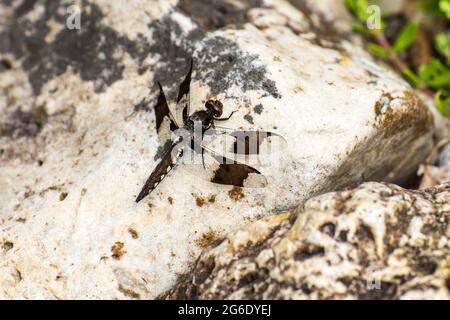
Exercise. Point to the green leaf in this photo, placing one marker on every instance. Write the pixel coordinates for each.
(431, 6)
(443, 44)
(406, 37)
(378, 50)
(360, 28)
(442, 101)
(358, 8)
(365, 14)
(444, 5)
(435, 74)
(412, 77)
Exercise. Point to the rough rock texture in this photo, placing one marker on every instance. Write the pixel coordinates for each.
(77, 133)
(377, 241)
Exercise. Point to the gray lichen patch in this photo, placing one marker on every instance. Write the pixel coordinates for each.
(94, 52)
(219, 62)
(216, 14)
(249, 119)
(90, 51)
(258, 109)
(24, 123)
(25, 130)
(223, 65)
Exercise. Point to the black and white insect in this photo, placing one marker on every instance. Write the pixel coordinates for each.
(223, 167)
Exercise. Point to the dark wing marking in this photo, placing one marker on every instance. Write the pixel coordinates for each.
(247, 142)
(231, 172)
(183, 99)
(216, 168)
(185, 85)
(162, 110)
(162, 169)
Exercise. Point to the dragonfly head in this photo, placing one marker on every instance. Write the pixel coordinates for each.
(214, 107)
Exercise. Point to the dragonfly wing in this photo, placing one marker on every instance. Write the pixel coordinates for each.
(244, 142)
(162, 111)
(216, 168)
(184, 99)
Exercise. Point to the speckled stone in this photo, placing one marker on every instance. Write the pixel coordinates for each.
(377, 241)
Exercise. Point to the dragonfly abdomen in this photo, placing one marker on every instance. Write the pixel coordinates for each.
(159, 173)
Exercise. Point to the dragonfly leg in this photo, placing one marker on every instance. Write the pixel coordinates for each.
(203, 158)
(185, 114)
(225, 119)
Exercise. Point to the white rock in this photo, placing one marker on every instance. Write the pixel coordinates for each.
(74, 153)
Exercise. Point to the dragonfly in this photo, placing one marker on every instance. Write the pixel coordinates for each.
(226, 165)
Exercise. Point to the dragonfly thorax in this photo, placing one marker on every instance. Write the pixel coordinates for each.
(213, 109)
(203, 117)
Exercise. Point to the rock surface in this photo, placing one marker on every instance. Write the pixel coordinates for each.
(377, 241)
(77, 133)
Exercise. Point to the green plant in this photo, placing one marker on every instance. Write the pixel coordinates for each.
(432, 77)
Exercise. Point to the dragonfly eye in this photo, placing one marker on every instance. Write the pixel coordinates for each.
(215, 107)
